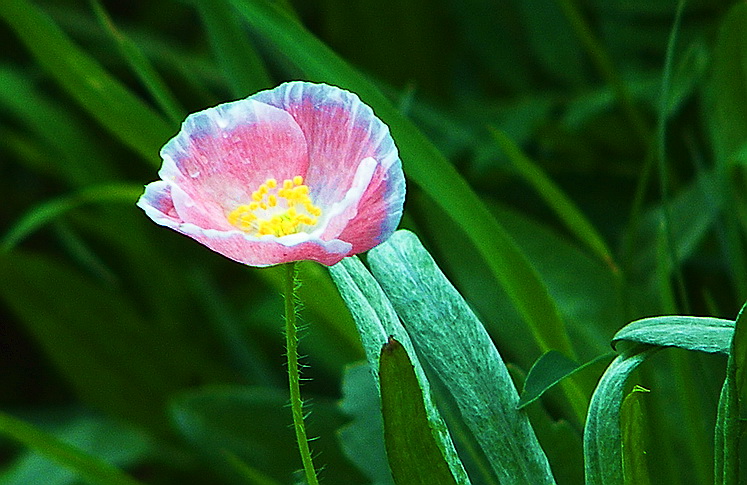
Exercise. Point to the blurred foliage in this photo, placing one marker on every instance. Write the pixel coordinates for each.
(118, 334)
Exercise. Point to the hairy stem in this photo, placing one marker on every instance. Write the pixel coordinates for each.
(294, 378)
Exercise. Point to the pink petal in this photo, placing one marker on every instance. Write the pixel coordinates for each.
(157, 203)
(379, 210)
(340, 132)
(222, 154)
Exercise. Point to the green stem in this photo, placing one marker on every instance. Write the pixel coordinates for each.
(294, 378)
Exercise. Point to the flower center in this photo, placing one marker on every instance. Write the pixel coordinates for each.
(277, 210)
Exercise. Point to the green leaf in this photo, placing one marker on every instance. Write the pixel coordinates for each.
(93, 335)
(105, 98)
(362, 439)
(455, 344)
(75, 156)
(414, 455)
(95, 436)
(551, 368)
(242, 67)
(93, 469)
(377, 321)
(142, 67)
(223, 419)
(602, 434)
(563, 206)
(725, 99)
(425, 166)
(51, 210)
(729, 427)
(704, 334)
(632, 422)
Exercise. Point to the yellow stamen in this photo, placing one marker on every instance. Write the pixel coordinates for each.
(277, 211)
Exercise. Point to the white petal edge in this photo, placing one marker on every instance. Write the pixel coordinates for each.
(361, 180)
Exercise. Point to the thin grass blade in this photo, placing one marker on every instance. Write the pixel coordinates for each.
(556, 199)
(89, 467)
(105, 98)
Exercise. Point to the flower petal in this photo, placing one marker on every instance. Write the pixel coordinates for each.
(379, 210)
(157, 203)
(224, 153)
(340, 132)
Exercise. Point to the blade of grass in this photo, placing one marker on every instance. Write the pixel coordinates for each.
(604, 64)
(425, 165)
(243, 68)
(50, 210)
(91, 468)
(670, 247)
(142, 67)
(105, 98)
(558, 201)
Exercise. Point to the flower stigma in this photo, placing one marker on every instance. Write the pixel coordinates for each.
(277, 209)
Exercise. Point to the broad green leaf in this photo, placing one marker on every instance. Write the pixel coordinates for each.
(729, 426)
(91, 468)
(243, 68)
(95, 436)
(704, 334)
(425, 166)
(377, 321)
(547, 371)
(414, 455)
(563, 206)
(602, 434)
(50, 210)
(142, 67)
(220, 419)
(362, 439)
(633, 425)
(105, 98)
(455, 344)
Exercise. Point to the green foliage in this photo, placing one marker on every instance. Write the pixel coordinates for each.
(414, 454)
(571, 168)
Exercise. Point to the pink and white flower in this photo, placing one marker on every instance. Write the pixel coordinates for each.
(300, 172)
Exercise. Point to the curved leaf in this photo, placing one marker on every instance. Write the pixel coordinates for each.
(377, 321)
(414, 455)
(602, 434)
(704, 334)
(550, 369)
(455, 344)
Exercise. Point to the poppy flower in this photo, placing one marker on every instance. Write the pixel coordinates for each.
(300, 172)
